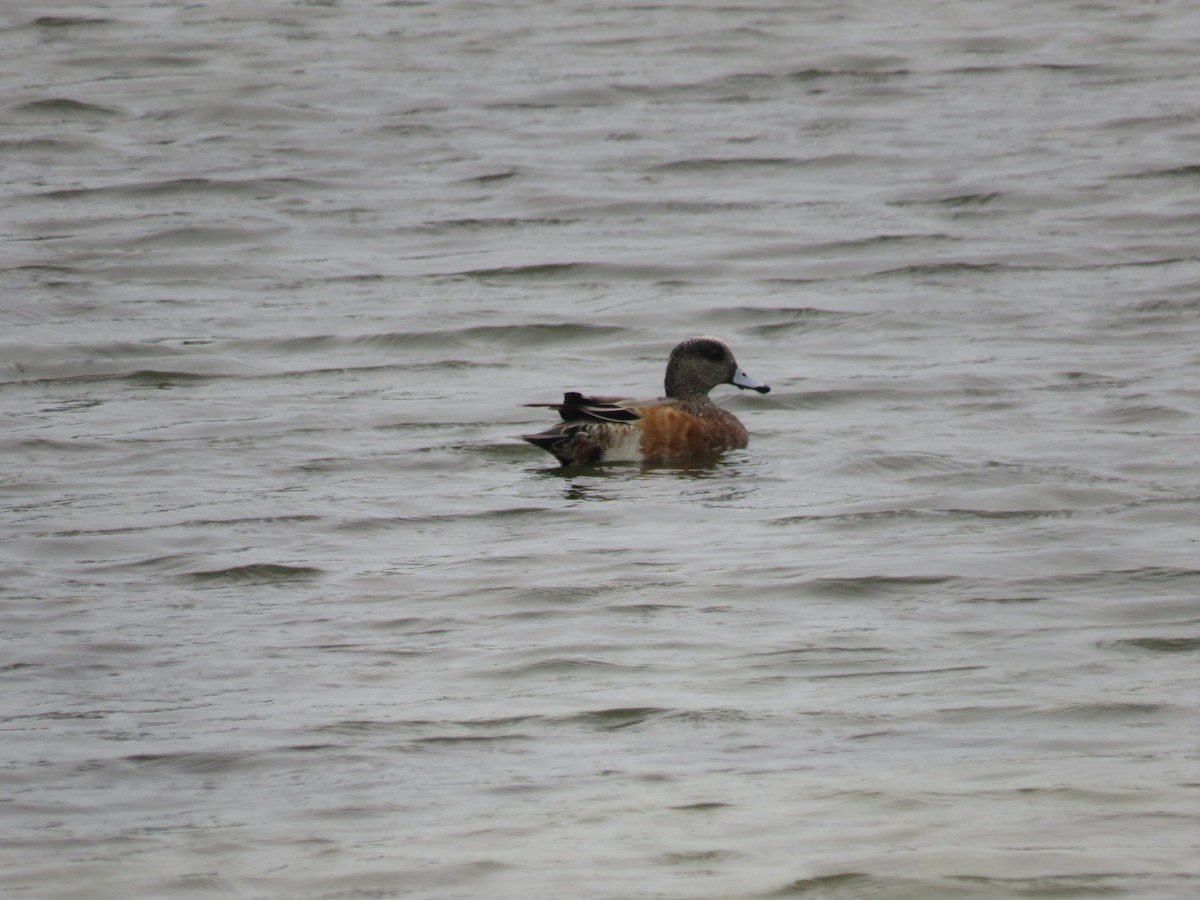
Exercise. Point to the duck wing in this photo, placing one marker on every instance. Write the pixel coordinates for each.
(575, 407)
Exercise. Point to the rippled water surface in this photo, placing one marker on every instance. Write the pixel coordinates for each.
(286, 608)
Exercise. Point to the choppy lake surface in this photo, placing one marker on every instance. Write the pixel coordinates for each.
(286, 610)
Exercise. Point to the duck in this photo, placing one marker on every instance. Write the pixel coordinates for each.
(684, 422)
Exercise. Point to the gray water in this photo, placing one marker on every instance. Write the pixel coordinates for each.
(286, 608)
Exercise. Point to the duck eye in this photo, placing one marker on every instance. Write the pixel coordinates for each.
(713, 352)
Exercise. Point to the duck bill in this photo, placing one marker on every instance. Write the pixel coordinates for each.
(745, 382)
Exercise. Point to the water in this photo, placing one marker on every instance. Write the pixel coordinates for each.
(288, 611)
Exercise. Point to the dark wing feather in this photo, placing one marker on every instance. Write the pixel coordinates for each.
(575, 407)
(579, 408)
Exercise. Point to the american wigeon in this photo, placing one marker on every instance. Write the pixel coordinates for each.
(684, 422)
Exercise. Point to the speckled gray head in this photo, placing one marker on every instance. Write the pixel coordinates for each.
(699, 364)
